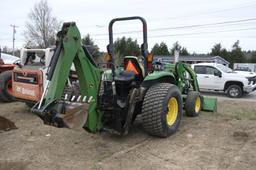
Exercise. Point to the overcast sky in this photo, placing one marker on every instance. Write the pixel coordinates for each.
(93, 16)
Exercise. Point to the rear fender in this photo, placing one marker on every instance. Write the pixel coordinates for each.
(160, 77)
(157, 77)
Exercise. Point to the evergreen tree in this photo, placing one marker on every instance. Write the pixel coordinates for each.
(184, 52)
(126, 46)
(155, 49)
(161, 49)
(217, 50)
(253, 57)
(91, 46)
(237, 56)
(176, 47)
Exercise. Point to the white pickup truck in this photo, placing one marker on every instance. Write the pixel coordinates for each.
(217, 77)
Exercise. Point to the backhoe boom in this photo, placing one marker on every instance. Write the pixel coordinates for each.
(70, 51)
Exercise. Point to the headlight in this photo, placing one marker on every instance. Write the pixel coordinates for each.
(251, 80)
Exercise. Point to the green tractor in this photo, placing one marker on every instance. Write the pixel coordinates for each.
(112, 97)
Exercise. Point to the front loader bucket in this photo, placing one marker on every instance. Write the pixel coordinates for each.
(74, 114)
(209, 104)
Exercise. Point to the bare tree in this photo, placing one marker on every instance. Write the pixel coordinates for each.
(42, 26)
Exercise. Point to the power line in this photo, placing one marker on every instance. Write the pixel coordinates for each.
(209, 32)
(203, 25)
(184, 27)
(196, 33)
(214, 12)
(247, 4)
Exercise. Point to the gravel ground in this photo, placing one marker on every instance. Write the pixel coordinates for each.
(222, 140)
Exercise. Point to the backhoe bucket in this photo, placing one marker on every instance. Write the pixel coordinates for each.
(74, 114)
(210, 104)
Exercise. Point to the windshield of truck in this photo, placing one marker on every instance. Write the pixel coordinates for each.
(224, 68)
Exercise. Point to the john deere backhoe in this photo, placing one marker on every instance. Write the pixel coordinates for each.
(112, 98)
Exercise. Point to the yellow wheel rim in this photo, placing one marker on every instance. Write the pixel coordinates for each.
(197, 104)
(172, 111)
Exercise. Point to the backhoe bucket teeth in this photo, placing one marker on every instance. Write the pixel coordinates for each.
(209, 104)
(75, 114)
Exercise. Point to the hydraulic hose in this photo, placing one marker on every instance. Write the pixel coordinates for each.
(54, 62)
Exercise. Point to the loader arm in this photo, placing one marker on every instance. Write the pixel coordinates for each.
(70, 51)
(181, 70)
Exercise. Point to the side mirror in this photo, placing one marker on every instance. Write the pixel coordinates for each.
(217, 73)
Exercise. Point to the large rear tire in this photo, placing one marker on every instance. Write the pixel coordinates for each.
(162, 110)
(6, 86)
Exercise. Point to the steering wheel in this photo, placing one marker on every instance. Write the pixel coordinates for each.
(158, 65)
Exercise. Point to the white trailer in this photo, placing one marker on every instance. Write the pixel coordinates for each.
(245, 67)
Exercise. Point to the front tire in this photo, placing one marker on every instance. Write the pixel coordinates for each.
(193, 104)
(234, 91)
(162, 110)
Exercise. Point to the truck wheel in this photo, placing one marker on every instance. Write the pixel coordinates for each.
(193, 104)
(234, 91)
(6, 86)
(162, 110)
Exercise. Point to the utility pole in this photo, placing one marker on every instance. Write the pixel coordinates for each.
(13, 36)
(176, 56)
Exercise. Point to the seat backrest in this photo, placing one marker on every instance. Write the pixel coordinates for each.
(132, 64)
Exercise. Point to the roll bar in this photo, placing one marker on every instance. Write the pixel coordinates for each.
(144, 46)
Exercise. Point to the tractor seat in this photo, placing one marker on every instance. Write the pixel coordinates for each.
(131, 64)
(126, 76)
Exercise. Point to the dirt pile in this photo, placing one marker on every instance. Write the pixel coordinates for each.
(6, 124)
(222, 140)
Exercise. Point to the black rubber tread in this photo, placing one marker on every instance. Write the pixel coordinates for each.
(190, 103)
(30, 104)
(5, 96)
(155, 107)
(2, 97)
(239, 89)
